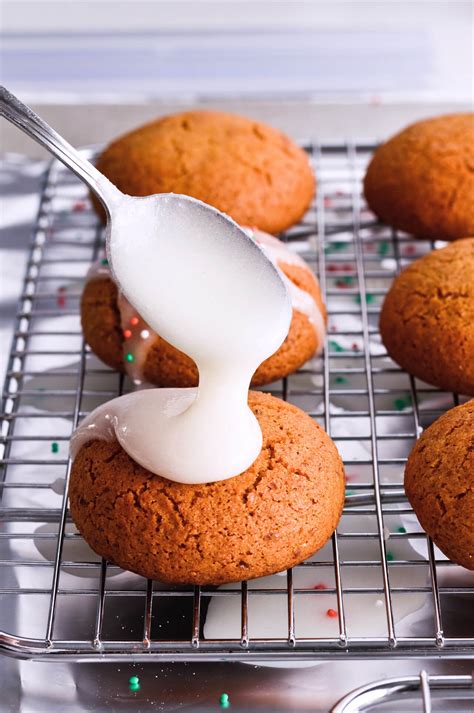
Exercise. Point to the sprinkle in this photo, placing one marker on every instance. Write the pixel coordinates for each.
(61, 298)
(54, 447)
(340, 380)
(383, 248)
(378, 603)
(368, 298)
(409, 250)
(320, 586)
(344, 282)
(327, 202)
(129, 357)
(134, 321)
(402, 402)
(104, 261)
(390, 557)
(336, 347)
(144, 334)
(332, 268)
(127, 333)
(224, 700)
(133, 680)
(331, 613)
(401, 529)
(355, 347)
(134, 687)
(349, 492)
(79, 206)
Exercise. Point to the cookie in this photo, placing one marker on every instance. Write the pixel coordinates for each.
(246, 169)
(421, 181)
(439, 483)
(271, 517)
(114, 330)
(427, 318)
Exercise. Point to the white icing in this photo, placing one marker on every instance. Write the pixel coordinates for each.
(199, 281)
(138, 345)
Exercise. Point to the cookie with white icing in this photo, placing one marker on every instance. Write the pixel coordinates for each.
(277, 513)
(119, 336)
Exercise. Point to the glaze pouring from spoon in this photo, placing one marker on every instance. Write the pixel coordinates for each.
(203, 284)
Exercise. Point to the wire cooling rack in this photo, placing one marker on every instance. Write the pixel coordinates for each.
(379, 588)
(427, 690)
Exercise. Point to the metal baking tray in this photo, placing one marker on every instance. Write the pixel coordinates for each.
(60, 601)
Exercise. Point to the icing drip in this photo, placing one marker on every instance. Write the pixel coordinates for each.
(205, 287)
(141, 336)
(138, 338)
(301, 300)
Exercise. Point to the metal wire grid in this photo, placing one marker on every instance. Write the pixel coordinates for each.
(355, 258)
(398, 689)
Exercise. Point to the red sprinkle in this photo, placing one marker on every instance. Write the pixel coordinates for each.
(79, 206)
(342, 285)
(347, 268)
(331, 613)
(327, 202)
(127, 333)
(320, 586)
(332, 268)
(409, 250)
(134, 321)
(61, 298)
(355, 347)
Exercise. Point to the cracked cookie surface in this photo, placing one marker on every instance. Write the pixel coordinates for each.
(421, 180)
(427, 319)
(274, 515)
(439, 483)
(246, 169)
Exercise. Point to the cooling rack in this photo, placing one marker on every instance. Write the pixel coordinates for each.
(423, 689)
(379, 588)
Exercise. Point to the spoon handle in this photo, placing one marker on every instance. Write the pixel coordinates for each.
(25, 118)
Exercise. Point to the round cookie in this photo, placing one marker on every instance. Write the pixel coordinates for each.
(106, 320)
(271, 517)
(427, 318)
(246, 169)
(439, 483)
(421, 181)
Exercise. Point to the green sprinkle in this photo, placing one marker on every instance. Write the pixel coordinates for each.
(129, 357)
(54, 447)
(335, 346)
(402, 402)
(224, 700)
(334, 247)
(383, 248)
(134, 680)
(349, 492)
(135, 687)
(368, 298)
(390, 557)
(340, 380)
(104, 261)
(401, 529)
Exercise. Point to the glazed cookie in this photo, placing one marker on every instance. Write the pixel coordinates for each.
(439, 483)
(421, 181)
(271, 517)
(125, 342)
(248, 170)
(427, 319)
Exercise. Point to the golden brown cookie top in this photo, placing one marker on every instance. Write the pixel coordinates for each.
(439, 481)
(422, 179)
(275, 514)
(427, 319)
(245, 168)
